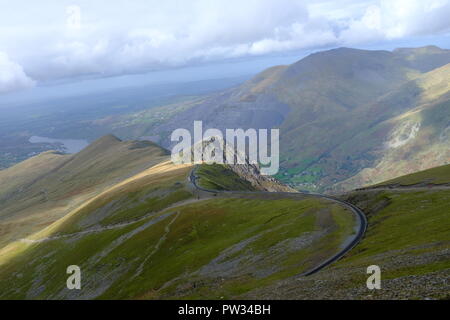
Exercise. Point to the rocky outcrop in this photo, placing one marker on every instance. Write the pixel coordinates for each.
(252, 174)
(243, 168)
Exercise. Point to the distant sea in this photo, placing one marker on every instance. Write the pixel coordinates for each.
(68, 145)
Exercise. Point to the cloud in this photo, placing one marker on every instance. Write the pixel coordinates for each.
(73, 17)
(103, 37)
(388, 20)
(12, 76)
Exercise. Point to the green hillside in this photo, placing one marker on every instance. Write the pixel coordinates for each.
(434, 176)
(152, 236)
(43, 189)
(407, 237)
(219, 177)
(219, 248)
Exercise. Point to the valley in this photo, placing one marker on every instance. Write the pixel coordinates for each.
(346, 116)
(90, 109)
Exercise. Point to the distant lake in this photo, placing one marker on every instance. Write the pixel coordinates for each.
(69, 145)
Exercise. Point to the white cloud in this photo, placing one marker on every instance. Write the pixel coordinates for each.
(65, 38)
(12, 76)
(397, 19)
(73, 17)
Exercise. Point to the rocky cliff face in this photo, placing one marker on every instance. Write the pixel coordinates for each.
(252, 174)
(215, 150)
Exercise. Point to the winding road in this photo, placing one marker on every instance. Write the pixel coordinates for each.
(204, 194)
(359, 214)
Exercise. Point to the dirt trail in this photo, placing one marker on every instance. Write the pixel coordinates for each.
(202, 194)
(157, 246)
(111, 227)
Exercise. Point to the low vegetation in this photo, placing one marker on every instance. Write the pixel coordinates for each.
(407, 237)
(219, 177)
(433, 176)
(148, 237)
(151, 235)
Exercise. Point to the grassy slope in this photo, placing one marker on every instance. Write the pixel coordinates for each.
(408, 233)
(28, 171)
(439, 175)
(139, 249)
(158, 242)
(41, 190)
(198, 233)
(218, 177)
(407, 238)
(410, 220)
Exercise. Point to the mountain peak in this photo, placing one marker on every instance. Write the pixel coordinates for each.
(100, 145)
(346, 51)
(425, 58)
(420, 50)
(109, 138)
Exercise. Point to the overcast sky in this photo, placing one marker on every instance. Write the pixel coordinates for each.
(51, 39)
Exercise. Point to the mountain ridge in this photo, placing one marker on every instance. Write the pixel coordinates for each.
(153, 235)
(46, 187)
(155, 223)
(323, 102)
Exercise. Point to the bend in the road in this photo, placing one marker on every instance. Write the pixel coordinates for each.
(362, 220)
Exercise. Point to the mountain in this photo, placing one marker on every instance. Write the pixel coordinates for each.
(42, 189)
(424, 59)
(411, 132)
(339, 113)
(141, 227)
(145, 232)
